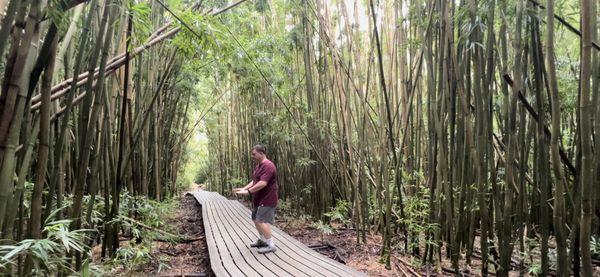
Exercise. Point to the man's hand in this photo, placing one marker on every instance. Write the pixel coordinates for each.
(241, 191)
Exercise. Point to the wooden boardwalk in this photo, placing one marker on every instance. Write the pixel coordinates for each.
(229, 231)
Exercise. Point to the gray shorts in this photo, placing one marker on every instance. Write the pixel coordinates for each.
(264, 214)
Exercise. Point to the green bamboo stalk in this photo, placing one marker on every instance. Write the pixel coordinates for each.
(60, 140)
(586, 120)
(543, 163)
(34, 230)
(559, 176)
(98, 92)
(7, 21)
(15, 87)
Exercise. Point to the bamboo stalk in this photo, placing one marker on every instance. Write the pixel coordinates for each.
(15, 87)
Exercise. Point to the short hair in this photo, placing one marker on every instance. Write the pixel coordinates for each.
(260, 148)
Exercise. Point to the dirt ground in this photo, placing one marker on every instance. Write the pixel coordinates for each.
(341, 246)
(186, 259)
(181, 259)
(192, 259)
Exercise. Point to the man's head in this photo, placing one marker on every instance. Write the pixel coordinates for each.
(259, 153)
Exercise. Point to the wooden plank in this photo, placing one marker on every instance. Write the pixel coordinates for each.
(285, 265)
(201, 196)
(285, 252)
(214, 256)
(217, 196)
(263, 265)
(227, 245)
(307, 259)
(224, 254)
(232, 227)
(321, 266)
(339, 268)
(198, 197)
(348, 271)
(238, 238)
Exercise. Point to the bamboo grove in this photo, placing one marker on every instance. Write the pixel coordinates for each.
(461, 131)
(95, 102)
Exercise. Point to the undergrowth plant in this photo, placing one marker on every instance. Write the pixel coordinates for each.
(324, 229)
(339, 213)
(137, 252)
(415, 220)
(51, 254)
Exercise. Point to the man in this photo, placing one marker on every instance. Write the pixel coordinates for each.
(264, 190)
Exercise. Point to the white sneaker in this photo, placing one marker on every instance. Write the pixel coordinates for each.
(267, 249)
(259, 243)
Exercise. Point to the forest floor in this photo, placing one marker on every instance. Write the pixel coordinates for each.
(185, 259)
(165, 258)
(340, 245)
(192, 259)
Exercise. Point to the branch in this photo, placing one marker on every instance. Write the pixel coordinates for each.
(564, 22)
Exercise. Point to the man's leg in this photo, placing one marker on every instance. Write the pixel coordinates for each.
(265, 216)
(261, 239)
(264, 229)
(260, 230)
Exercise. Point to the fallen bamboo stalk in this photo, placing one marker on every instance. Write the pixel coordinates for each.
(116, 62)
(407, 266)
(534, 115)
(178, 238)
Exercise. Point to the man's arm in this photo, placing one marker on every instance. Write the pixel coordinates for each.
(260, 185)
(249, 185)
(244, 189)
(264, 178)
